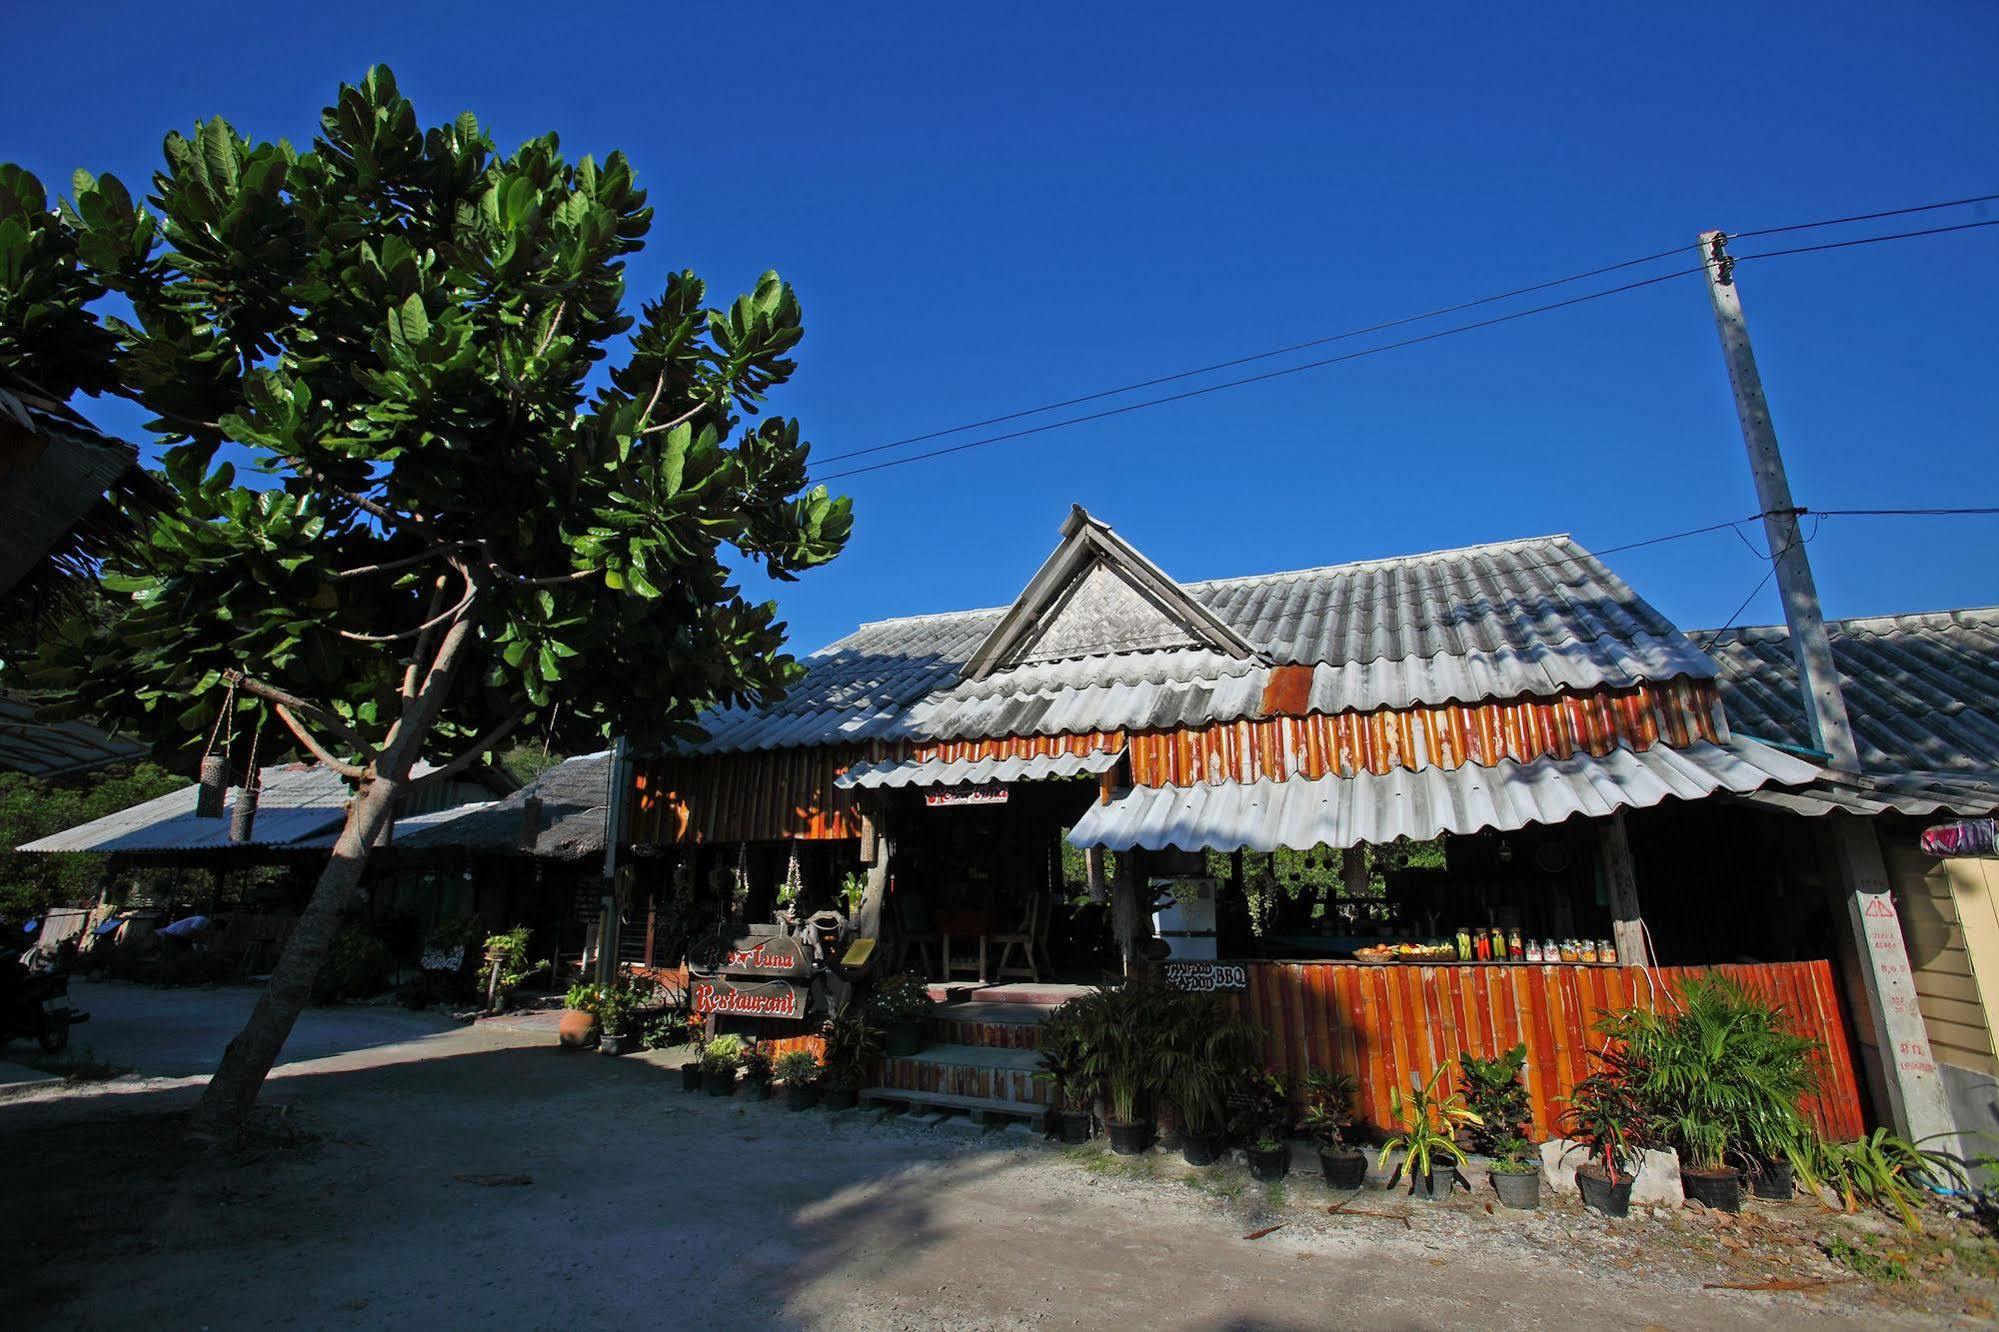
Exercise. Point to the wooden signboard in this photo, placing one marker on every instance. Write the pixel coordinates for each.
(764, 999)
(751, 955)
(1206, 976)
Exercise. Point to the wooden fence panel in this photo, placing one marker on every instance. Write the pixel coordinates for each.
(1386, 1024)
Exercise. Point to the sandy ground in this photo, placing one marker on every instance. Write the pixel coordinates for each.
(646, 1204)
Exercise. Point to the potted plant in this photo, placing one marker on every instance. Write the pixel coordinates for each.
(852, 1046)
(617, 1005)
(1059, 1044)
(800, 1071)
(1516, 1174)
(1605, 1116)
(579, 1027)
(1719, 1080)
(1428, 1139)
(1328, 1120)
(757, 1072)
(1261, 1118)
(720, 1058)
(1207, 1045)
(899, 1006)
(1123, 1029)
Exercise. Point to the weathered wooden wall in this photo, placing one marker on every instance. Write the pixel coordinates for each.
(1384, 1023)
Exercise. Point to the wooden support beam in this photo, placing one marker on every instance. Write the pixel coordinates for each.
(1126, 915)
(1627, 924)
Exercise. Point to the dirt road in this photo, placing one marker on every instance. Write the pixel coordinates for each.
(649, 1205)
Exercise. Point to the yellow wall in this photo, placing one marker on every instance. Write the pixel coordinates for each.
(1950, 918)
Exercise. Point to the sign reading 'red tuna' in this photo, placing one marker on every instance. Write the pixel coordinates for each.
(766, 999)
(751, 955)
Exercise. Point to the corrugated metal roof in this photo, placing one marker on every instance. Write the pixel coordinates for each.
(975, 772)
(53, 469)
(1375, 809)
(299, 807)
(1923, 795)
(572, 796)
(1922, 690)
(51, 749)
(1503, 620)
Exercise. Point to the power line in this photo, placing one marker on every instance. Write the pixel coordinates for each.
(1353, 356)
(1438, 313)
(1905, 513)
(1714, 639)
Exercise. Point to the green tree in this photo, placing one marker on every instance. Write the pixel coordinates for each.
(31, 807)
(456, 529)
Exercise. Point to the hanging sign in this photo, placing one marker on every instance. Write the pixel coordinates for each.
(766, 999)
(750, 955)
(1206, 976)
(967, 795)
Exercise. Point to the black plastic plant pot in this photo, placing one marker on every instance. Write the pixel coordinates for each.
(800, 1096)
(840, 1098)
(1129, 1139)
(1072, 1125)
(719, 1082)
(757, 1091)
(902, 1039)
(1343, 1170)
(1719, 1189)
(1600, 1195)
(690, 1077)
(1773, 1181)
(1269, 1166)
(1431, 1187)
(613, 1045)
(1200, 1149)
(1520, 1190)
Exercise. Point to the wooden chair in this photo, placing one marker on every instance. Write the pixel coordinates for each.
(915, 931)
(974, 927)
(1031, 938)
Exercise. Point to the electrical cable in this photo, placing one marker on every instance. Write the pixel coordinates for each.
(1357, 355)
(1383, 327)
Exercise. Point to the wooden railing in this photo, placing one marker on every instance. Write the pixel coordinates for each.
(1384, 1023)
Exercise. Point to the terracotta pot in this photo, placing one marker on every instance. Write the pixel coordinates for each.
(577, 1030)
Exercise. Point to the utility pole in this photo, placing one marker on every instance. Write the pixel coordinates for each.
(615, 796)
(1906, 1081)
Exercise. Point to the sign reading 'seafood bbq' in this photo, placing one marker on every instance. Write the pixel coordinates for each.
(766, 999)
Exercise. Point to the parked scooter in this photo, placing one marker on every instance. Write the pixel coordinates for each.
(34, 1000)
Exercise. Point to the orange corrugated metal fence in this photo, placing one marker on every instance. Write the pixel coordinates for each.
(1384, 1023)
(1342, 744)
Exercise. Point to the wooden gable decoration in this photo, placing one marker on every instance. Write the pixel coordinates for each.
(1098, 595)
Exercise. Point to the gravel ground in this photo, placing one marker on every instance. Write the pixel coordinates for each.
(478, 1174)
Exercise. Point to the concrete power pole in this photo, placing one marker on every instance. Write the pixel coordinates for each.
(1906, 1082)
(617, 792)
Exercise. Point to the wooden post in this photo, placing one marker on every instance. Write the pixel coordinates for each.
(617, 783)
(874, 898)
(1910, 1087)
(1125, 913)
(1627, 924)
(1825, 709)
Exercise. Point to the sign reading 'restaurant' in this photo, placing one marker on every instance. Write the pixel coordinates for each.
(766, 999)
(1206, 976)
(970, 795)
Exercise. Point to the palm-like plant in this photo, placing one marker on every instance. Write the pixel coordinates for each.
(1886, 1172)
(1429, 1128)
(1123, 1030)
(1207, 1045)
(1721, 1078)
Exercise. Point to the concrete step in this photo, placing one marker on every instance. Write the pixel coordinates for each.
(981, 1110)
(984, 1072)
(1008, 1026)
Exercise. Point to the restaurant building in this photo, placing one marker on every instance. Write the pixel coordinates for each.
(1508, 792)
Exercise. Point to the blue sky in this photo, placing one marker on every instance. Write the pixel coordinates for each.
(988, 209)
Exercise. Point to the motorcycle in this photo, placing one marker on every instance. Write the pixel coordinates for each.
(34, 1001)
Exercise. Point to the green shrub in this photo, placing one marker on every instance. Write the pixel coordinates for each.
(1493, 1091)
(356, 966)
(904, 998)
(798, 1068)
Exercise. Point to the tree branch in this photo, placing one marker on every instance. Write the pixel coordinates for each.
(470, 755)
(681, 419)
(312, 712)
(389, 566)
(319, 751)
(574, 576)
(553, 324)
(420, 655)
(471, 592)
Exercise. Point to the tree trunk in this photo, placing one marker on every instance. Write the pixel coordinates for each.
(225, 1104)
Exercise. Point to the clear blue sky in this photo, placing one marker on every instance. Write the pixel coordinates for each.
(984, 209)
